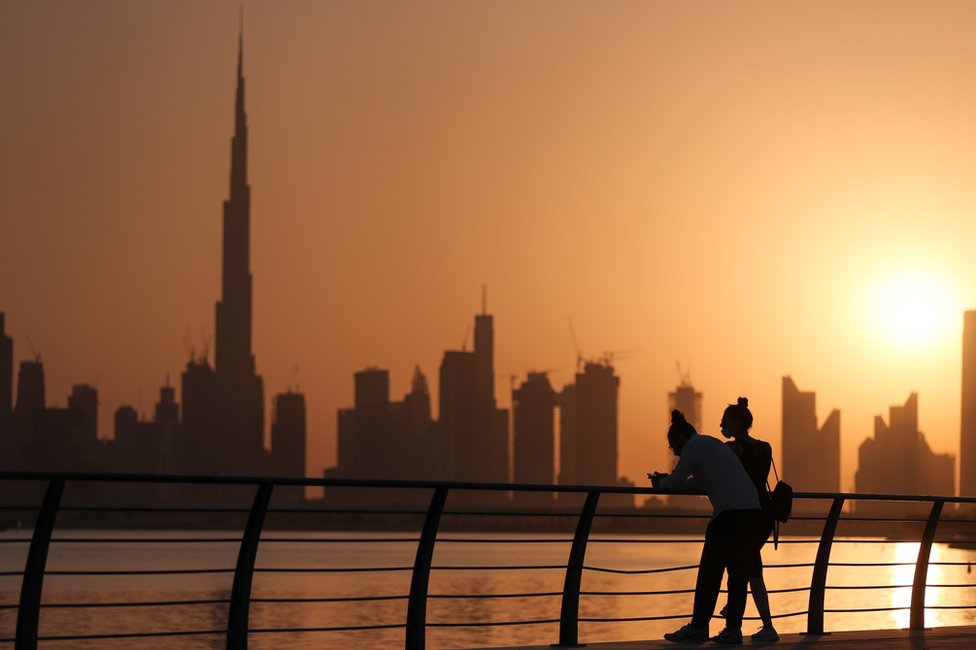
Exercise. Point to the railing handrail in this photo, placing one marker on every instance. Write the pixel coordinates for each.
(122, 477)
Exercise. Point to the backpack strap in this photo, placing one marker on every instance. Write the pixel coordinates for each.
(775, 521)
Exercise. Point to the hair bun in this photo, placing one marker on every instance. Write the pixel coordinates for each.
(677, 417)
(743, 401)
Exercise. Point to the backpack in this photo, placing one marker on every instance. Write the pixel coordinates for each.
(781, 501)
(780, 504)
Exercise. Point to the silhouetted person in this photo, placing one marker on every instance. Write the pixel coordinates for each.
(730, 538)
(756, 456)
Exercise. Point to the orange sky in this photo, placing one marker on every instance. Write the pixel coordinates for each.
(730, 183)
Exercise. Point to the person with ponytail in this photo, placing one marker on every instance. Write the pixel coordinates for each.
(706, 464)
(756, 456)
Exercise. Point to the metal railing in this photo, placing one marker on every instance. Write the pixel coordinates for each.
(416, 624)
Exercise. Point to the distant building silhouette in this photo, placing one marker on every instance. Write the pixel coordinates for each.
(238, 390)
(595, 426)
(566, 401)
(458, 418)
(811, 455)
(381, 439)
(378, 438)
(222, 430)
(200, 447)
(533, 414)
(288, 445)
(687, 400)
(372, 434)
(137, 441)
(30, 397)
(140, 447)
(588, 423)
(413, 417)
(84, 399)
(898, 460)
(473, 432)
(6, 388)
(167, 420)
(967, 432)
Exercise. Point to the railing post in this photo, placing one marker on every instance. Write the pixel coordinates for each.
(917, 618)
(416, 635)
(818, 582)
(240, 595)
(29, 610)
(569, 612)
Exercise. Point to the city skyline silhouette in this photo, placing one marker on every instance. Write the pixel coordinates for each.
(387, 192)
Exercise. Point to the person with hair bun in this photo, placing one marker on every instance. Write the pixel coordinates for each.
(756, 456)
(706, 464)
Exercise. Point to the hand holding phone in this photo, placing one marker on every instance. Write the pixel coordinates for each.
(656, 478)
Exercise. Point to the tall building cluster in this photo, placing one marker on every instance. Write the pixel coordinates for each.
(220, 430)
(898, 460)
(469, 439)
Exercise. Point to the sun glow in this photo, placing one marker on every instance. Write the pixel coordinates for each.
(910, 309)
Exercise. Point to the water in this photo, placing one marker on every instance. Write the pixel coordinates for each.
(626, 552)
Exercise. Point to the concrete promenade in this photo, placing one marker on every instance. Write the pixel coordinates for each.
(941, 638)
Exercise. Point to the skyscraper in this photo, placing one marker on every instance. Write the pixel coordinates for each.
(236, 433)
(167, 421)
(233, 343)
(379, 438)
(288, 441)
(473, 431)
(84, 400)
(533, 413)
(30, 396)
(588, 427)
(811, 455)
(687, 400)
(457, 422)
(592, 418)
(898, 460)
(6, 384)
(967, 429)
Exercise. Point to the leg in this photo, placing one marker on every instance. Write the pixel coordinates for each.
(742, 559)
(756, 582)
(738, 586)
(710, 570)
(759, 596)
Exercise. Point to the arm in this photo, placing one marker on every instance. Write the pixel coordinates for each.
(679, 478)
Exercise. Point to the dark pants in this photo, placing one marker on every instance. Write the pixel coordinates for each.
(730, 544)
(765, 530)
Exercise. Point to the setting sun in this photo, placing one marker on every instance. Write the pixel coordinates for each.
(910, 309)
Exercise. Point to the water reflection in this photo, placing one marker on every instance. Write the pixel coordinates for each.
(624, 553)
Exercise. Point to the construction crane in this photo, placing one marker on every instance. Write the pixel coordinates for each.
(684, 374)
(37, 355)
(205, 350)
(188, 345)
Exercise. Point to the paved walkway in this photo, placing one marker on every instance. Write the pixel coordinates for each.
(941, 638)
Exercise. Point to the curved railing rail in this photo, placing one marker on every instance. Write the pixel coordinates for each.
(415, 625)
